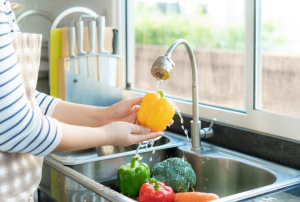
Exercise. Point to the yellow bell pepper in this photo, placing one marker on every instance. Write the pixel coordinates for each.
(156, 111)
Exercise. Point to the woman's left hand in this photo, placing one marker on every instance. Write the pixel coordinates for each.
(125, 110)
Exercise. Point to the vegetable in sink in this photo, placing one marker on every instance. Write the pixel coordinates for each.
(175, 173)
(156, 111)
(155, 191)
(132, 176)
(195, 197)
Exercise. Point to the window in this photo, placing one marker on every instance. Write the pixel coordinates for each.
(278, 67)
(268, 51)
(215, 30)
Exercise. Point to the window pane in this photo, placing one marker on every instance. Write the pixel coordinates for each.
(278, 86)
(214, 28)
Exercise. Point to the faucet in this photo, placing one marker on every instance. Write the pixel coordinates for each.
(161, 70)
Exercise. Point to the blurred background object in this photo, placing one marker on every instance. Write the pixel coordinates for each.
(37, 16)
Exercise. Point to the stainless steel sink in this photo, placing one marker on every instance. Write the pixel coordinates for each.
(109, 152)
(231, 175)
(235, 176)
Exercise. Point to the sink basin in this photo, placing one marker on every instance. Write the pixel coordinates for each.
(231, 175)
(108, 152)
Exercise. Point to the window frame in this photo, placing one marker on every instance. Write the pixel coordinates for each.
(252, 119)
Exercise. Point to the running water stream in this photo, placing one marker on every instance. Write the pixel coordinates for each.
(159, 86)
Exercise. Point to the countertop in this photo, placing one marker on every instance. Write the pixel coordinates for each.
(290, 194)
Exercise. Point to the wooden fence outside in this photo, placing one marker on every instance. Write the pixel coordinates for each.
(221, 76)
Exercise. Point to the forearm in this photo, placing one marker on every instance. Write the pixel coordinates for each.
(80, 115)
(115, 133)
(80, 137)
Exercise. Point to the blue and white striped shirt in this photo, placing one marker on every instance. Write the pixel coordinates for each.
(21, 129)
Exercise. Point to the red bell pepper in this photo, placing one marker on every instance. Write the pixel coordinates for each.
(155, 191)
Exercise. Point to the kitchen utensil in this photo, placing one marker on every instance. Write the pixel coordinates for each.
(115, 41)
(112, 70)
(90, 92)
(101, 32)
(92, 35)
(119, 83)
(71, 49)
(102, 59)
(64, 62)
(56, 44)
(113, 62)
(108, 38)
(55, 53)
(92, 59)
(81, 60)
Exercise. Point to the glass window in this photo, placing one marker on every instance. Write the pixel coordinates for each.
(216, 31)
(278, 67)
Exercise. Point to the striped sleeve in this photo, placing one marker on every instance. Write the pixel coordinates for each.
(47, 103)
(21, 129)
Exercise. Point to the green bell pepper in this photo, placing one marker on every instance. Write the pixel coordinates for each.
(132, 176)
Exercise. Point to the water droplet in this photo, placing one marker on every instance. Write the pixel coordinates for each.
(182, 127)
(150, 158)
(137, 150)
(204, 188)
(203, 162)
(146, 149)
(206, 179)
(189, 146)
(153, 152)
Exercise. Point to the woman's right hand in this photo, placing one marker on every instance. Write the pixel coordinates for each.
(125, 134)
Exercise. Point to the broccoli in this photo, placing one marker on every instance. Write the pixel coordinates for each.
(175, 173)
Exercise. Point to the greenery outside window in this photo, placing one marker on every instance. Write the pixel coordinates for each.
(242, 34)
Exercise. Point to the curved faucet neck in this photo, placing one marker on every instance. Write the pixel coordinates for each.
(195, 124)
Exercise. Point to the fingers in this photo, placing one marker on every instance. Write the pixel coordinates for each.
(144, 137)
(136, 101)
(172, 121)
(137, 129)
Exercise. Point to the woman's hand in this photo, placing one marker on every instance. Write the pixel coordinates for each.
(115, 133)
(125, 134)
(125, 110)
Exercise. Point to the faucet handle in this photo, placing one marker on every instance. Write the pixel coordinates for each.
(208, 132)
(212, 123)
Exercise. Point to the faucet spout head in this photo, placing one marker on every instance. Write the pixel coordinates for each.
(162, 67)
